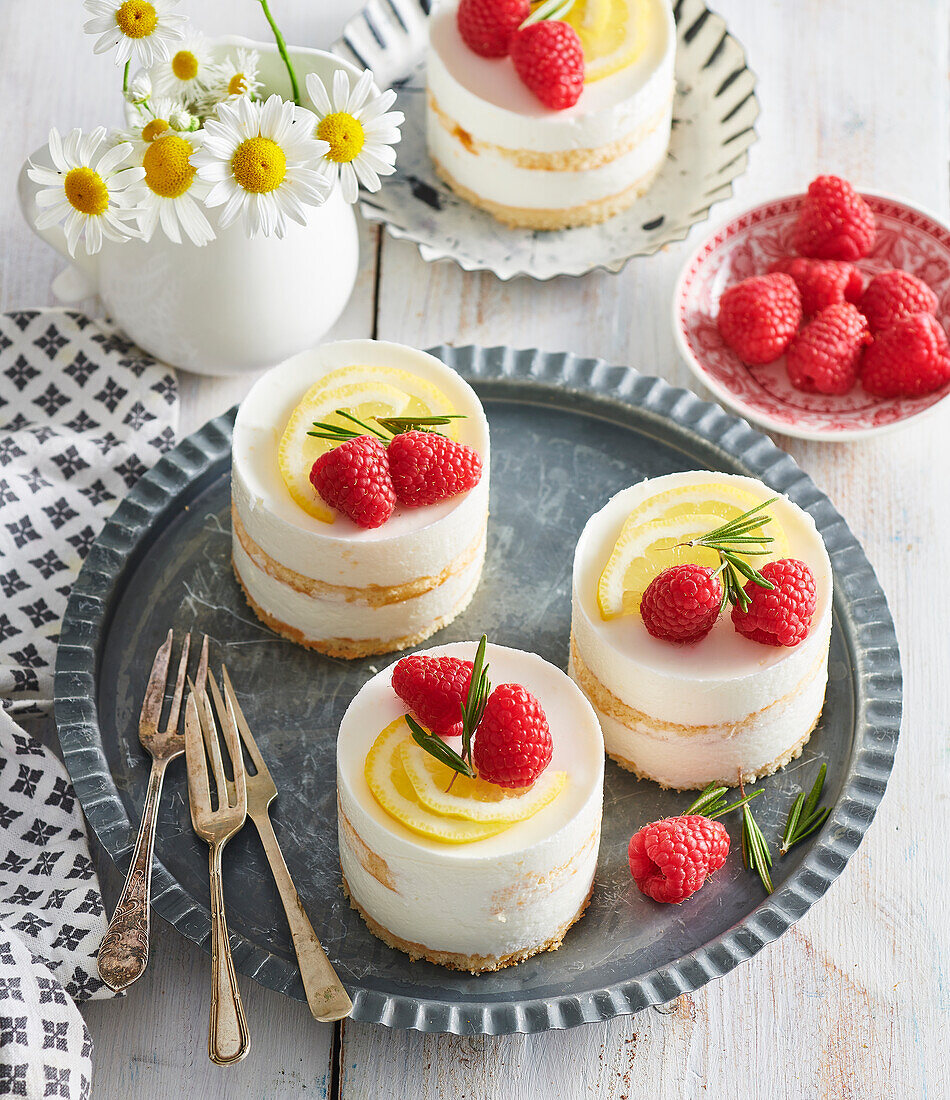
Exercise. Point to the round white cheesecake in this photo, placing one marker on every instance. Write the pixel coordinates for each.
(716, 710)
(492, 902)
(501, 149)
(336, 587)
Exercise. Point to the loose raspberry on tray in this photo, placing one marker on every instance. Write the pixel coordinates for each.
(780, 616)
(835, 222)
(435, 690)
(825, 355)
(427, 467)
(909, 359)
(893, 295)
(354, 479)
(822, 283)
(682, 603)
(671, 859)
(513, 742)
(759, 316)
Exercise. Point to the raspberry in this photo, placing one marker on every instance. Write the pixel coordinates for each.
(682, 604)
(354, 479)
(672, 858)
(781, 615)
(822, 283)
(435, 690)
(834, 223)
(893, 295)
(427, 467)
(759, 316)
(824, 357)
(486, 26)
(909, 359)
(513, 742)
(550, 60)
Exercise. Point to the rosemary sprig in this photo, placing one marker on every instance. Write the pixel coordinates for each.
(755, 850)
(393, 425)
(805, 817)
(712, 803)
(732, 539)
(472, 710)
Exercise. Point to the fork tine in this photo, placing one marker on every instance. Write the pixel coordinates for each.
(209, 731)
(172, 724)
(243, 728)
(237, 791)
(151, 714)
(199, 793)
(201, 676)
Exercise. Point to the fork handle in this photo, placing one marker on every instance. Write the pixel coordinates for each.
(228, 1037)
(123, 954)
(326, 997)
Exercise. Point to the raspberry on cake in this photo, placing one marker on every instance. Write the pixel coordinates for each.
(534, 157)
(719, 708)
(455, 868)
(326, 553)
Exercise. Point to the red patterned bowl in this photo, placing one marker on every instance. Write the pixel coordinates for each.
(748, 245)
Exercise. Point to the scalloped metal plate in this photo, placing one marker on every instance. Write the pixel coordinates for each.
(530, 397)
(714, 115)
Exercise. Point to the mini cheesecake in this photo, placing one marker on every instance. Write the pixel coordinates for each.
(499, 148)
(722, 709)
(473, 902)
(317, 578)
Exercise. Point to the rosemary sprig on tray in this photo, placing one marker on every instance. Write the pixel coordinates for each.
(805, 817)
(755, 849)
(472, 710)
(712, 803)
(734, 542)
(393, 425)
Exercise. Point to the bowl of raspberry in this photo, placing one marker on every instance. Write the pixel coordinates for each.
(822, 315)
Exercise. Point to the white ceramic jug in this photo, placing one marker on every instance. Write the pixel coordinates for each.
(238, 304)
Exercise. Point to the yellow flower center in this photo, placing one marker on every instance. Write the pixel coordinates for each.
(151, 130)
(185, 65)
(136, 18)
(345, 135)
(259, 165)
(86, 191)
(168, 171)
(237, 85)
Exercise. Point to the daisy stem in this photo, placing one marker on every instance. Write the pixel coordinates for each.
(125, 78)
(282, 50)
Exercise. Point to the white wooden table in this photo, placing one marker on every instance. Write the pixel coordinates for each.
(851, 1002)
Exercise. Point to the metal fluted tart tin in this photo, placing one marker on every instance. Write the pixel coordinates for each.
(567, 433)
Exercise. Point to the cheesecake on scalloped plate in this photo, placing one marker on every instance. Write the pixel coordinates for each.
(726, 708)
(469, 872)
(309, 571)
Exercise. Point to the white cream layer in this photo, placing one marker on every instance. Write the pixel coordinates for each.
(486, 97)
(494, 897)
(413, 543)
(495, 178)
(720, 681)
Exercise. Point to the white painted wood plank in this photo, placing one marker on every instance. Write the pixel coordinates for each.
(849, 1003)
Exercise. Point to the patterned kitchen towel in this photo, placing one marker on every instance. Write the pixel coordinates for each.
(83, 414)
(51, 925)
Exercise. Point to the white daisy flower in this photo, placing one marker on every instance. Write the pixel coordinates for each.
(263, 162)
(151, 118)
(188, 73)
(359, 128)
(146, 28)
(170, 195)
(236, 75)
(87, 189)
(140, 87)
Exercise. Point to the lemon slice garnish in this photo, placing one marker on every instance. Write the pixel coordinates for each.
(391, 788)
(611, 34)
(652, 536)
(474, 799)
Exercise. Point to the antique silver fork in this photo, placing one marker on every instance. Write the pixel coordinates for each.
(228, 1037)
(327, 998)
(123, 953)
